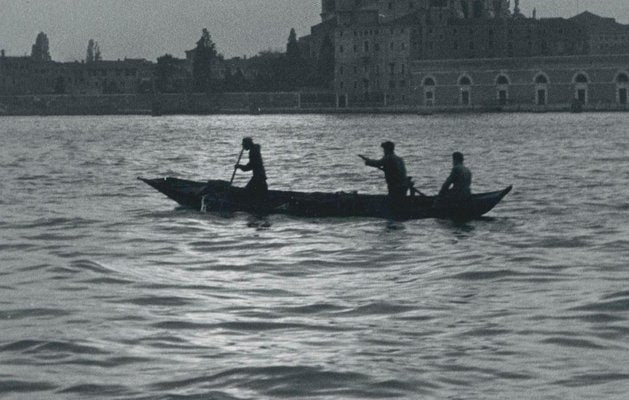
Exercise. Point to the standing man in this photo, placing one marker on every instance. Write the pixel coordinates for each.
(257, 186)
(457, 187)
(394, 172)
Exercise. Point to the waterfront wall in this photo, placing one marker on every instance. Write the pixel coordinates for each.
(239, 103)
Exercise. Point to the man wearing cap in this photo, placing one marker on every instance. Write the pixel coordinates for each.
(257, 186)
(457, 187)
(394, 171)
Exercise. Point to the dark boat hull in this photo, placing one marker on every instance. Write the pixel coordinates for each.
(219, 196)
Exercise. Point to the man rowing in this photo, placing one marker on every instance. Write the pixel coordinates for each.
(394, 172)
(257, 186)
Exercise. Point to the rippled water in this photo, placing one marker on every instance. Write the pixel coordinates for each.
(108, 290)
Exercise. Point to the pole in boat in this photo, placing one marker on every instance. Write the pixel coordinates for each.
(204, 197)
(236, 167)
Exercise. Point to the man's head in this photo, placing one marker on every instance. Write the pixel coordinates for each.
(247, 143)
(388, 147)
(457, 158)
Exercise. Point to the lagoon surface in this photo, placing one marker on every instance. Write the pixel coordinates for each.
(109, 290)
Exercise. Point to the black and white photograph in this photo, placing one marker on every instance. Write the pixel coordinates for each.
(314, 199)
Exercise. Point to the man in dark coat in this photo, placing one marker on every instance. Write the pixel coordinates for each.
(394, 171)
(257, 186)
(457, 187)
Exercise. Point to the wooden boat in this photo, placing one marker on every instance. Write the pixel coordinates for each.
(217, 195)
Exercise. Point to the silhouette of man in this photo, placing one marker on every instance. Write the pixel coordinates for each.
(394, 171)
(257, 186)
(457, 187)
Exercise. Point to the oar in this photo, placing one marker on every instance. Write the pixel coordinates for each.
(236, 167)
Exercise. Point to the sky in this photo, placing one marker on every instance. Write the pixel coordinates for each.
(151, 28)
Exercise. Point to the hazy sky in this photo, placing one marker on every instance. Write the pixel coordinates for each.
(150, 28)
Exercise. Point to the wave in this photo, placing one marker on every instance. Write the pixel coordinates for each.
(8, 386)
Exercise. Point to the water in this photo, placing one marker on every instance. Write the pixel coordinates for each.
(108, 290)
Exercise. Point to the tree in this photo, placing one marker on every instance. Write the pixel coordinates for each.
(97, 55)
(40, 50)
(204, 55)
(89, 57)
(292, 47)
(296, 65)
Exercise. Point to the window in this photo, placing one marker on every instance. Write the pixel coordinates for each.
(465, 97)
(541, 79)
(622, 96)
(502, 97)
(429, 81)
(541, 97)
(502, 80)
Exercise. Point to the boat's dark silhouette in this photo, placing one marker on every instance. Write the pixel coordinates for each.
(218, 195)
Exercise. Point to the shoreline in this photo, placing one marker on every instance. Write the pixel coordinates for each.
(246, 104)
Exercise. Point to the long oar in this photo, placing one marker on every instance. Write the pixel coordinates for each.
(236, 167)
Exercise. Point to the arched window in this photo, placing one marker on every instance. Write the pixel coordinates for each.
(466, 91)
(541, 79)
(581, 78)
(502, 80)
(502, 91)
(622, 78)
(429, 82)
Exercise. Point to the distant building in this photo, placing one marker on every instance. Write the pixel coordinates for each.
(376, 41)
(24, 75)
(604, 35)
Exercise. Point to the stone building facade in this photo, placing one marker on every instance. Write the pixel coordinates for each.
(379, 45)
(530, 83)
